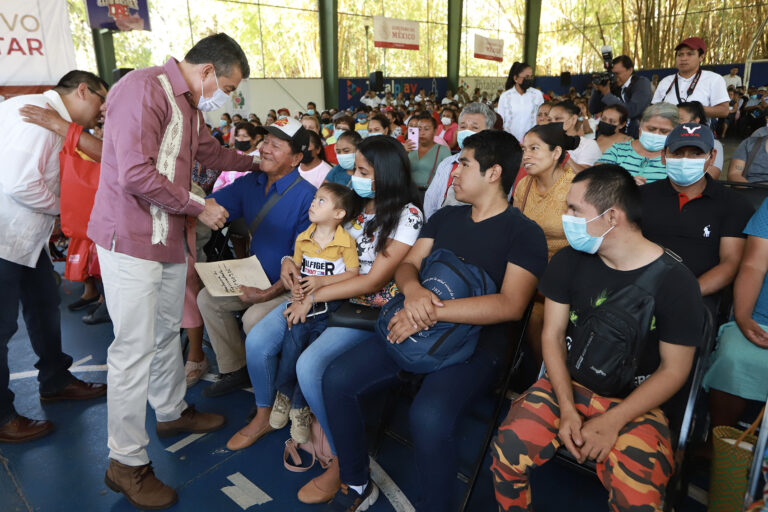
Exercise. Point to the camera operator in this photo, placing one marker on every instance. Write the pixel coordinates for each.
(626, 89)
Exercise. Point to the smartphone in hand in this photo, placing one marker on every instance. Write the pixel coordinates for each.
(413, 134)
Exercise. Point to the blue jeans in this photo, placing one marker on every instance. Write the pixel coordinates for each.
(295, 341)
(262, 346)
(36, 290)
(314, 361)
(443, 397)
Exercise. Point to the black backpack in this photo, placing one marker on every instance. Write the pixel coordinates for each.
(603, 349)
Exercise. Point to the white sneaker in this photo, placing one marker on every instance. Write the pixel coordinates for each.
(278, 418)
(301, 423)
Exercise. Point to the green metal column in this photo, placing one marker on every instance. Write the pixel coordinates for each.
(532, 20)
(105, 53)
(329, 51)
(454, 42)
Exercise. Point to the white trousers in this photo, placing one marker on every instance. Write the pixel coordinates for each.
(145, 300)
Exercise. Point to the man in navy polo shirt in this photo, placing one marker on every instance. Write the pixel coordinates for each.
(284, 145)
(694, 215)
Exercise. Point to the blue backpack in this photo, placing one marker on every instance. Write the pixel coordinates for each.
(445, 343)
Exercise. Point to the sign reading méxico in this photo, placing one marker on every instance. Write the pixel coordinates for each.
(394, 33)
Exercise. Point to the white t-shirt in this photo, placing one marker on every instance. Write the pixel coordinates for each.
(710, 91)
(407, 232)
(720, 156)
(519, 110)
(732, 80)
(317, 174)
(587, 153)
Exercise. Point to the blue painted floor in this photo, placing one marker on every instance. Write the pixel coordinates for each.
(65, 471)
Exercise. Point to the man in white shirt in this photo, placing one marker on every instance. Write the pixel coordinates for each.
(29, 204)
(732, 79)
(370, 99)
(691, 83)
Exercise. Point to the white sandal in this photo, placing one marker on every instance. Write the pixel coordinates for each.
(193, 371)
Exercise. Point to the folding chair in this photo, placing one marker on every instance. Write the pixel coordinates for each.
(681, 425)
(411, 383)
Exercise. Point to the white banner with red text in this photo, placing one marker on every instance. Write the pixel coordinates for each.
(489, 49)
(394, 33)
(36, 47)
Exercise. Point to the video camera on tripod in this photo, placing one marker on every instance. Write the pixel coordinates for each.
(607, 76)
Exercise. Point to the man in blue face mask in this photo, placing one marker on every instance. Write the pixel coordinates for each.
(626, 427)
(694, 215)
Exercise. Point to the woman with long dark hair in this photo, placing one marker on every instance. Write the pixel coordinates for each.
(520, 102)
(541, 197)
(384, 231)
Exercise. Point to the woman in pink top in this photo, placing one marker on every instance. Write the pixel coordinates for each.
(313, 167)
(247, 141)
(448, 128)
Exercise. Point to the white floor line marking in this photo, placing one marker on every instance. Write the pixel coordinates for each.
(209, 377)
(184, 442)
(81, 361)
(77, 366)
(697, 493)
(245, 493)
(396, 497)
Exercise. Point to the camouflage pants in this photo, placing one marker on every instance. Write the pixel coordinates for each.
(635, 473)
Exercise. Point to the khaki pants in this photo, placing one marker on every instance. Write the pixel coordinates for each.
(223, 331)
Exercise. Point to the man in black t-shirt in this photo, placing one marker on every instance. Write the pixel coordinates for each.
(695, 216)
(513, 251)
(628, 436)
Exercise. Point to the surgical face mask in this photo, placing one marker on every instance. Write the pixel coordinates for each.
(363, 187)
(606, 129)
(576, 232)
(242, 145)
(446, 121)
(361, 119)
(397, 132)
(652, 141)
(223, 123)
(685, 171)
(371, 134)
(581, 118)
(460, 136)
(216, 101)
(346, 160)
(337, 132)
(310, 111)
(363, 132)
(282, 117)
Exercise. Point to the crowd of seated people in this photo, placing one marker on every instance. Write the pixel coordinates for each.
(604, 192)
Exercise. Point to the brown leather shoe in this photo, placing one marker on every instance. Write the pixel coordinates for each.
(191, 421)
(76, 390)
(240, 441)
(322, 488)
(21, 429)
(140, 486)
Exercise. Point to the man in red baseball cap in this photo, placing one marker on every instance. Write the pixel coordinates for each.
(691, 83)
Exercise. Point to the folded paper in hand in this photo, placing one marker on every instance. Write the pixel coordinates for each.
(224, 278)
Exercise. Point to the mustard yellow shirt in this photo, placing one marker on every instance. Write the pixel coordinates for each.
(338, 256)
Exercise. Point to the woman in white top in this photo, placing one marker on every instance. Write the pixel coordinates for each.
(691, 83)
(520, 102)
(313, 168)
(567, 113)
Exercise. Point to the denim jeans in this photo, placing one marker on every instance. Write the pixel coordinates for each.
(36, 290)
(313, 364)
(298, 338)
(442, 399)
(262, 347)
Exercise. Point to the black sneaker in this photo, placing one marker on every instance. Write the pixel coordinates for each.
(98, 315)
(348, 500)
(229, 382)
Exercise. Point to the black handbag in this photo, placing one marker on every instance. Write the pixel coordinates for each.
(354, 316)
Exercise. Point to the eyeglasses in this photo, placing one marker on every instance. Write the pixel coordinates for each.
(101, 96)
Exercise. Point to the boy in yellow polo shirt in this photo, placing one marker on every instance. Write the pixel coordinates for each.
(325, 254)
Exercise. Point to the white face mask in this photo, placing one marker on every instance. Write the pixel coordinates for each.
(216, 101)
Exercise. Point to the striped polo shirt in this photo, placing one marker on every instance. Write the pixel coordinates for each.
(624, 155)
